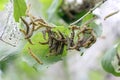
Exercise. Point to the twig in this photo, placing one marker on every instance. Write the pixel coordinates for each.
(99, 4)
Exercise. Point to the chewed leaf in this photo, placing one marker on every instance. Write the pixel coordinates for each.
(107, 61)
(41, 52)
(18, 9)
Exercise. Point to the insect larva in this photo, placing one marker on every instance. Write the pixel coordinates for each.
(23, 31)
(38, 20)
(30, 33)
(34, 56)
(27, 26)
(29, 40)
(111, 14)
(51, 40)
(45, 25)
(74, 47)
(58, 39)
(71, 42)
(42, 26)
(53, 45)
(71, 39)
(61, 35)
(72, 34)
(78, 44)
(68, 43)
(60, 48)
(52, 48)
(44, 34)
(87, 44)
(43, 43)
(37, 27)
(57, 47)
(41, 20)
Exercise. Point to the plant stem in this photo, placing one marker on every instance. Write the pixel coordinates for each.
(90, 11)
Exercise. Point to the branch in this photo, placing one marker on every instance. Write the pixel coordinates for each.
(90, 11)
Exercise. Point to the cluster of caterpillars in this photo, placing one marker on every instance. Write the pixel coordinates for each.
(57, 40)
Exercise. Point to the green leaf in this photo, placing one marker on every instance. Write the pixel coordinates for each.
(19, 9)
(107, 61)
(62, 29)
(41, 51)
(2, 4)
(88, 17)
(97, 28)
